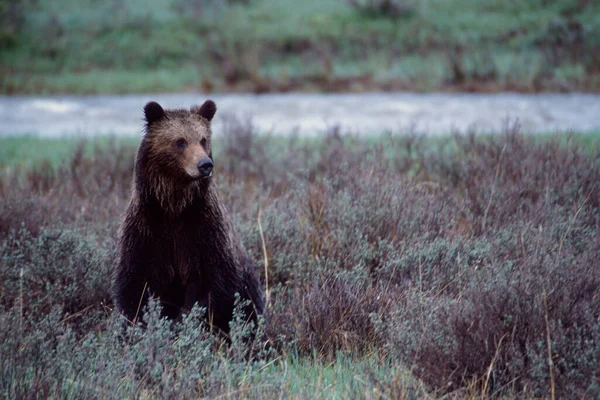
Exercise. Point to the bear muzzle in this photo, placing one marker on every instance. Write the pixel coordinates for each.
(205, 167)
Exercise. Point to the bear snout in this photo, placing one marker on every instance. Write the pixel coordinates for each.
(205, 166)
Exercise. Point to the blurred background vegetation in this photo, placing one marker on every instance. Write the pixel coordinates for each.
(123, 46)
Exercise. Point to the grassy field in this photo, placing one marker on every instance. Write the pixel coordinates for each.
(123, 46)
(399, 267)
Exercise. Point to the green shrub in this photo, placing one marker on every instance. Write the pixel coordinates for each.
(464, 261)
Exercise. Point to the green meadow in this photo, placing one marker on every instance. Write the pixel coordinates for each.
(131, 46)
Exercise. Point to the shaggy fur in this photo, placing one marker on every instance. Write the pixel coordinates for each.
(177, 241)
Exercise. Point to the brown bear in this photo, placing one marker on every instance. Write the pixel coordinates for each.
(177, 240)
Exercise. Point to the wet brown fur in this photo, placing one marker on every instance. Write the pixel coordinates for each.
(177, 240)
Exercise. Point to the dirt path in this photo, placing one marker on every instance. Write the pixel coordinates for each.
(309, 114)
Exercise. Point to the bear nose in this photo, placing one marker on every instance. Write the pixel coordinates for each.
(205, 166)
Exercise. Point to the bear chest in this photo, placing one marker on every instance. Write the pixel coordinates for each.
(187, 254)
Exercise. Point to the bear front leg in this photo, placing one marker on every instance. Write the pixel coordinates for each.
(251, 290)
(131, 294)
(195, 293)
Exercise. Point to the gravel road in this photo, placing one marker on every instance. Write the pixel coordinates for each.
(309, 114)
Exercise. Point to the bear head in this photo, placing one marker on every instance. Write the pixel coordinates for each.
(174, 162)
(179, 141)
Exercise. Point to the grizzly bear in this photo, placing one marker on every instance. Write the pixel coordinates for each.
(177, 241)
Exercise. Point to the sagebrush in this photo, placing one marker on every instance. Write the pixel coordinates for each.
(467, 262)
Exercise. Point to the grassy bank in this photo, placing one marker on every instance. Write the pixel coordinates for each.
(401, 267)
(125, 46)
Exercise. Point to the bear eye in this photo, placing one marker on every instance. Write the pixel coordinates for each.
(181, 143)
(203, 142)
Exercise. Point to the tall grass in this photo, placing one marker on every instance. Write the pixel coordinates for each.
(401, 267)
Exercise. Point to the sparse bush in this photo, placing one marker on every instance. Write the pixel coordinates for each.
(384, 8)
(465, 260)
(58, 268)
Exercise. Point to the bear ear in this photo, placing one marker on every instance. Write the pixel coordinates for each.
(153, 112)
(206, 110)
